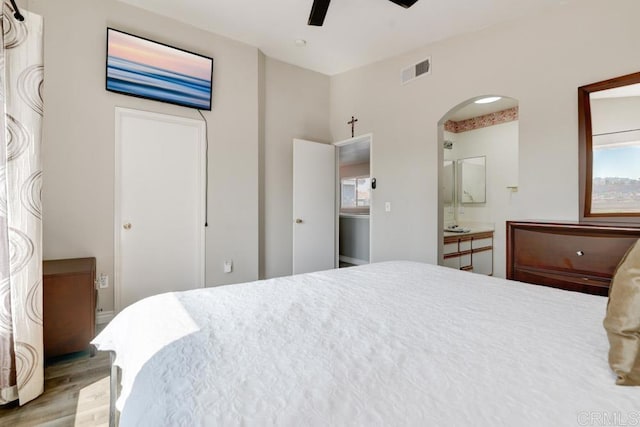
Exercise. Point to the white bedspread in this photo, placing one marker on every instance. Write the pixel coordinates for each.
(397, 343)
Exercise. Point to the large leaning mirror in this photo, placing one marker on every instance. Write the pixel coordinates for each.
(609, 120)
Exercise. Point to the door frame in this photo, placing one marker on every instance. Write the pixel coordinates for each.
(338, 144)
(120, 113)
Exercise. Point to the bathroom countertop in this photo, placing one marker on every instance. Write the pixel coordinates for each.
(474, 230)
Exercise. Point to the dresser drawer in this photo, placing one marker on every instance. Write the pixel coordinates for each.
(465, 245)
(567, 281)
(482, 243)
(450, 248)
(573, 256)
(596, 254)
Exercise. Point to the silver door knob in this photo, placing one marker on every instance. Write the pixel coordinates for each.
(127, 226)
(298, 221)
(579, 253)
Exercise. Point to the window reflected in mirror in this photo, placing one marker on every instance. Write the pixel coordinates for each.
(615, 122)
(610, 142)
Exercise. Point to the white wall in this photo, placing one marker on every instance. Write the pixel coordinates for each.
(499, 144)
(539, 60)
(296, 106)
(78, 146)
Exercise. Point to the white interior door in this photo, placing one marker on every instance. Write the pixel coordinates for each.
(314, 183)
(160, 198)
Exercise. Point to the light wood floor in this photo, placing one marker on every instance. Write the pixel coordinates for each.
(76, 394)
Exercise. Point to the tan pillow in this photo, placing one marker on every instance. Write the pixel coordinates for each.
(622, 321)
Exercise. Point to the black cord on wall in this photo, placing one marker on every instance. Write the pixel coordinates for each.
(206, 170)
(17, 13)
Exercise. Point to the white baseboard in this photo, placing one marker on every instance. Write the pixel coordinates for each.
(354, 261)
(104, 317)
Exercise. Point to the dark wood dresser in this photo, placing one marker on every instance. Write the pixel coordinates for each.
(69, 305)
(572, 256)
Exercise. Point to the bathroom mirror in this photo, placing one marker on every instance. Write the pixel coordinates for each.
(448, 182)
(609, 136)
(472, 179)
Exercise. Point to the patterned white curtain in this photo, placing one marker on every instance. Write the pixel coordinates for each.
(21, 84)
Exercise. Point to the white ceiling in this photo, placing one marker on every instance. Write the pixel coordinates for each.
(355, 32)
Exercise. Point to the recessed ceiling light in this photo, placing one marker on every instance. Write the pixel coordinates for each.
(488, 100)
(301, 42)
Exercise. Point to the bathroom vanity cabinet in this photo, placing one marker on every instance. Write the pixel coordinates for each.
(469, 251)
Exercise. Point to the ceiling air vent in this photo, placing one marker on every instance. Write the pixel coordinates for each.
(414, 71)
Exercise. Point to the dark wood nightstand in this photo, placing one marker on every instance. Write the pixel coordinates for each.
(69, 305)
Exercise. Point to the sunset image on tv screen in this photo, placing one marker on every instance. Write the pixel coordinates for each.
(140, 67)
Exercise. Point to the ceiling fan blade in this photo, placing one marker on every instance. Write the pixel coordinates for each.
(404, 3)
(318, 12)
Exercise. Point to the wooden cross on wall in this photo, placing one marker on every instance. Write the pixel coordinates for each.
(353, 125)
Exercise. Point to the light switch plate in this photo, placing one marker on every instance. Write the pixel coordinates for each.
(103, 281)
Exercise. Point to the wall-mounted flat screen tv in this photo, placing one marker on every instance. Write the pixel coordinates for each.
(140, 67)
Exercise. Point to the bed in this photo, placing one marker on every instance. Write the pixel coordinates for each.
(394, 343)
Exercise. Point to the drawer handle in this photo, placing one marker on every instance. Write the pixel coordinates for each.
(579, 253)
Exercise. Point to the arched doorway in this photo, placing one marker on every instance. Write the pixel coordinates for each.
(478, 181)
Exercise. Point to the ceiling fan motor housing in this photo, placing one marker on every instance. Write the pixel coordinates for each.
(404, 3)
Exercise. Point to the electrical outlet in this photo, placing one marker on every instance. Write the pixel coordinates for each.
(387, 207)
(228, 266)
(103, 281)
